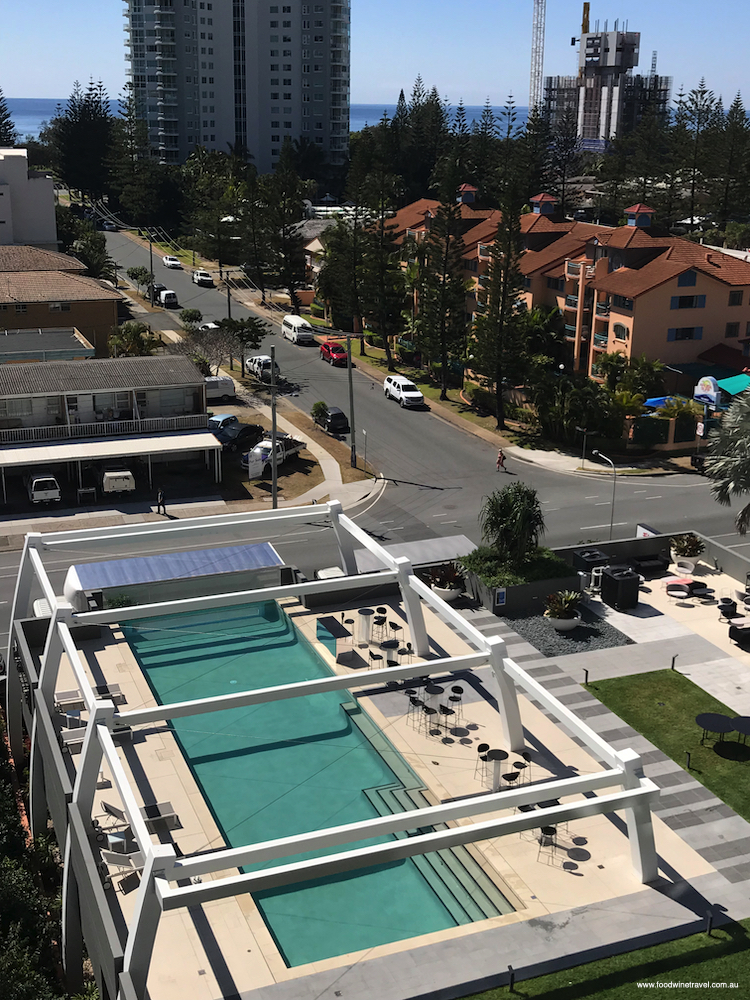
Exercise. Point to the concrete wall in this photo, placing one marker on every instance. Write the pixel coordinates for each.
(527, 597)
(27, 203)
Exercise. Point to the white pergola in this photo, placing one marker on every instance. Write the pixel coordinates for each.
(619, 786)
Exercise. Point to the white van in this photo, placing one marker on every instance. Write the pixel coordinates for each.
(42, 487)
(260, 367)
(220, 387)
(297, 329)
(168, 299)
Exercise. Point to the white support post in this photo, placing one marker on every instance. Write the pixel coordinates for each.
(20, 609)
(37, 795)
(507, 699)
(72, 931)
(91, 758)
(412, 607)
(53, 650)
(639, 821)
(145, 920)
(343, 539)
(48, 671)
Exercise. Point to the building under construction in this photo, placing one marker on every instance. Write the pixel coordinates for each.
(606, 97)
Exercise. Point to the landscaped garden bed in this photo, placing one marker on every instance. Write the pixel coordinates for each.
(592, 633)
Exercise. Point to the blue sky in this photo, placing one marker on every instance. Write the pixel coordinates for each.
(468, 50)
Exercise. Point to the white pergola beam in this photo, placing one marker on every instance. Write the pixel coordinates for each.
(59, 539)
(563, 714)
(463, 627)
(398, 850)
(300, 689)
(77, 666)
(44, 581)
(121, 783)
(235, 597)
(446, 812)
(367, 541)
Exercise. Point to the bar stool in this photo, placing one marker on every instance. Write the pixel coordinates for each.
(511, 777)
(482, 764)
(414, 709)
(378, 628)
(547, 841)
(456, 698)
(432, 726)
(521, 767)
(376, 660)
(445, 713)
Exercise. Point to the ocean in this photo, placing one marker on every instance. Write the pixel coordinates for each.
(29, 113)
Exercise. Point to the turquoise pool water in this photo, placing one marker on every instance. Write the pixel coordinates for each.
(289, 767)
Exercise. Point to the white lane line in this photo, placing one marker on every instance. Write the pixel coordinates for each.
(388, 520)
(397, 529)
(639, 491)
(449, 522)
(552, 508)
(653, 498)
(602, 503)
(617, 524)
(596, 497)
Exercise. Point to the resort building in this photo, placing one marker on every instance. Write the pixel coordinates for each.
(245, 75)
(27, 203)
(243, 805)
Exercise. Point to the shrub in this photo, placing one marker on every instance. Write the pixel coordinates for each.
(493, 571)
(374, 340)
(319, 412)
(686, 546)
(316, 310)
(563, 604)
(446, 576)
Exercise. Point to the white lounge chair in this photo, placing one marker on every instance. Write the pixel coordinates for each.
(123, 862)
(69, 699)
(157, 815)
(72, 739)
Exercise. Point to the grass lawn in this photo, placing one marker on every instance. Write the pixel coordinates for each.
(663, 706)
(722, 958)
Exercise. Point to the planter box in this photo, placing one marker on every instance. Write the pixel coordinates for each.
(526, 597)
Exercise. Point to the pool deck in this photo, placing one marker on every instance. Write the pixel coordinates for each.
(224, 948)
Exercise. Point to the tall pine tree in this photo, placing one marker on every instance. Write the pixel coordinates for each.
(8, 134)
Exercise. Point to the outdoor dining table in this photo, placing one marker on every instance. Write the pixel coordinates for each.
(713, 722)
(741, 725)
(390, 646)
(496, 757)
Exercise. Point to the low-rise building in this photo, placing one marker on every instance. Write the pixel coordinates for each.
(27, 202)
(21, 346)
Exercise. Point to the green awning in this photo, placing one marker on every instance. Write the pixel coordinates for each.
(735, 385)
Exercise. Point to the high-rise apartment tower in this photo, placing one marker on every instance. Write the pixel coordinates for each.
(245, 73)
(606, 97)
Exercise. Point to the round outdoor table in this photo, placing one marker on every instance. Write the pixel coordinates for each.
(496, 757)
(364, 625)
(713, 722)
(741, 725)
(389, 647)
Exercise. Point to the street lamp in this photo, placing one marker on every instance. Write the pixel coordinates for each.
(614, 487)
(585, 432)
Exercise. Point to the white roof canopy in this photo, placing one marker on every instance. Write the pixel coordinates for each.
(91, 449)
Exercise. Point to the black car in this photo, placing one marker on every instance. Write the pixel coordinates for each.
(240, 436)
(153, 290)
(335, 421)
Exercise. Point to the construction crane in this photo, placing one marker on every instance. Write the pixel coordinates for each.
(537, 53)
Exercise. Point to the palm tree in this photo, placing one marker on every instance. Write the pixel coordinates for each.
(612, 365)
(512, 522)
(132, 340)
(728, 463)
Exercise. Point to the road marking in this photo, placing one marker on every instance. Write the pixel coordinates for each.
(449, 522)
(602, 503)
(388, 520)
(617, 524)
(639, 491)
(397, 529)
(552, 508)
(596, 497)
(653, 498)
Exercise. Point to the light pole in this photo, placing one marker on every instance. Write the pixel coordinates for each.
(151, 265)
(365, 463)
(614, 487)
(353, 457)
(585, 432)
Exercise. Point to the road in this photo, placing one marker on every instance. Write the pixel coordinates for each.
(438, 473)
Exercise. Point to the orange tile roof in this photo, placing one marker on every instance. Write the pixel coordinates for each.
(545, 224)
(723, 354)
(53, 286)
(18, 258)
(568, 246)
(677, 257)
(631, 282)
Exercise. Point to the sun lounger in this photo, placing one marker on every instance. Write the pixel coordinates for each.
(111, 691)
(158, 815)
(72, 739)
(69, 700)
(123, 862)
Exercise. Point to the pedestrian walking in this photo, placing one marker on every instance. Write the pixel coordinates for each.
(161, 507)
(501, 460)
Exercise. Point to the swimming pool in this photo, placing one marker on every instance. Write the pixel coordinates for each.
(298, 765)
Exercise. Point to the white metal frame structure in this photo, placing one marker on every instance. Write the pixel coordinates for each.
(122, 967)
(537, 53)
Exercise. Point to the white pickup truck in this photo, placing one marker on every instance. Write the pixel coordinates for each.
(258, 461)
(42, 487)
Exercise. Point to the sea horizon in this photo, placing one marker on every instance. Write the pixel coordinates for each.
(30, 113)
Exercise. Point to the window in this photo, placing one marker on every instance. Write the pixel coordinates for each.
(15, 408)
(527, 282)
(274, 24)
(620, 331)
(622, 303)
(732, 330)
(686, 333)
(20, 307)
(56, 307)
(735, 298)
(686, 280)
(556, 284)
(688, 302)
(287, 124)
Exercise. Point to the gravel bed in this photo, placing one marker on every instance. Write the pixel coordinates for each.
(592, 633)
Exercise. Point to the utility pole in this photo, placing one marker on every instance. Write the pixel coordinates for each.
(229, 298)
(151, 264)
(351, 401)
(274, 462)
(585, 432)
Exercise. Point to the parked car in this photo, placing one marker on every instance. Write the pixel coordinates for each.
(220, 420)
(42, 487)
(219, 387)
(334, 354)
(201, 277)
(109, 227)
(258, 461)
(171, 261)
(260, 367)
(168, 299)
(399, 387)
(297, 329)
(208, 326)
(236, 437)
(334, 421)
(156, 289)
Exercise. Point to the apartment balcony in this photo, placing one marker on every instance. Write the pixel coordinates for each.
(570, 331)
(601, 340)
(571, 301)
(104, 428)
(572, 270)
(602, 308)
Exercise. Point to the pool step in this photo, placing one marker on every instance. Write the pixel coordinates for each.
(453, 874)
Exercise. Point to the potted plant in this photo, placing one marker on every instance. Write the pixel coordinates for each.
(687, 546)
(446, 581)
(562, 609)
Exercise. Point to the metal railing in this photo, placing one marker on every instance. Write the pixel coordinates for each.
(103, 429)
(601, 339)
(571, 301)
(572, 268)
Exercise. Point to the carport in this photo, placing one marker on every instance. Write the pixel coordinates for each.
(96, 449)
